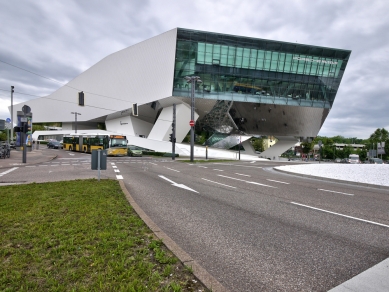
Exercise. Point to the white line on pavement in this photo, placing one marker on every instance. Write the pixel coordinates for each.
(218, 169)
(114, 166)
(242, 174)
(219, 183)
(112, 163)
(249, 182)
(203, 166)
(116, 170)
(30, 166)
(173, 169)
(330, 212)
(281, 182)
(151, 163)
(119, 177)
(178, 185)
(229, 164)
(43, 165)
(65, 164)
(8, 171)
(335, 192)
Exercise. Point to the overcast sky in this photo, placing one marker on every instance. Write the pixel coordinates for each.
(61, 39)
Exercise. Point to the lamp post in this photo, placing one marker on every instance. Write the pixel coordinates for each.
(192, 80)
(75, 117)
(12, 113)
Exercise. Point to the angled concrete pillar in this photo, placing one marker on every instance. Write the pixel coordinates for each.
(163, 126)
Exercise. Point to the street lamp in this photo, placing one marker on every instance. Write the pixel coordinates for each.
(192, 80)
(75, 117)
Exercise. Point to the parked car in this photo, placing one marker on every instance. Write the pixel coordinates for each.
(338, 160)
(134, 151)
(375, 161)
(54, 145)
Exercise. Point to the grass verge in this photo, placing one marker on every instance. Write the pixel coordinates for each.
(81, 236)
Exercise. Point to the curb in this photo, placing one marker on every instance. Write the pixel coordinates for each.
(207, 279)
(335, 180)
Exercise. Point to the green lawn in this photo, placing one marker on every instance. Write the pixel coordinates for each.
(81, 236)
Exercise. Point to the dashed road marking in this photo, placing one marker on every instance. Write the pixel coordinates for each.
(218, 183)
(173, 169)
(242, 174)
(281, 182)
(335, 192)
(119, 177)
(339, 214)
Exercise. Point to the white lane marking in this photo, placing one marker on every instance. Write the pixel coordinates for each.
(86, 163)
(119, 177)
(120, 162)
(54, 165)
(339, 214)
(218, 169)
(172, 169)
(8, 171)
(219, 183)
(71, 154)
(252, 162)
(242, 174)
(112, 163)
(116, 170)
(177, 185)
(249, 182)
(65, 164)
(114, 166)
(335, 192)
(190, 164)
(29, 166)
(75, 164)
(238, 165)
(151, 163)
(203, 166)
(43, 165)
(281, 182)
(126, 162)
(54, 162)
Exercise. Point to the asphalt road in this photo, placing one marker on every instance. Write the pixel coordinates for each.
(252, 228)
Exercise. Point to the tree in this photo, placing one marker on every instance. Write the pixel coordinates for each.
(257, 144)
(379, 135)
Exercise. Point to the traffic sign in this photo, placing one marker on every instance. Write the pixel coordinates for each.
(8, 120)
(192, 123)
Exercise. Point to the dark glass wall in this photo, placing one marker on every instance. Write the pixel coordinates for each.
(255, 70)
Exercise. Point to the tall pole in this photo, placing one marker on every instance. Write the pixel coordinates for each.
(193, 82)
(12, 113)
(75, 117)
(174, 133)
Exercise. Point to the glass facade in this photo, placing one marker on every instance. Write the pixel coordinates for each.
(242, 69)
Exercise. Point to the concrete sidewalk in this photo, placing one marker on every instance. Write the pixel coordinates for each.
(33, 157)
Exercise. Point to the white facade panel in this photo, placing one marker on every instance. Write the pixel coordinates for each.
(129, 126)
(138, 74)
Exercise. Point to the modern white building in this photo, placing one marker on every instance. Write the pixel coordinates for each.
(249, 87)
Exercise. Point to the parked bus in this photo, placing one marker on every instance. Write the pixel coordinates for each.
(116, 145)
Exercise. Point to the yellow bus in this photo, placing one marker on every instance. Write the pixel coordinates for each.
(116, 145)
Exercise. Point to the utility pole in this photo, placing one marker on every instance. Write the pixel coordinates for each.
(12, 113)
(174, 133)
